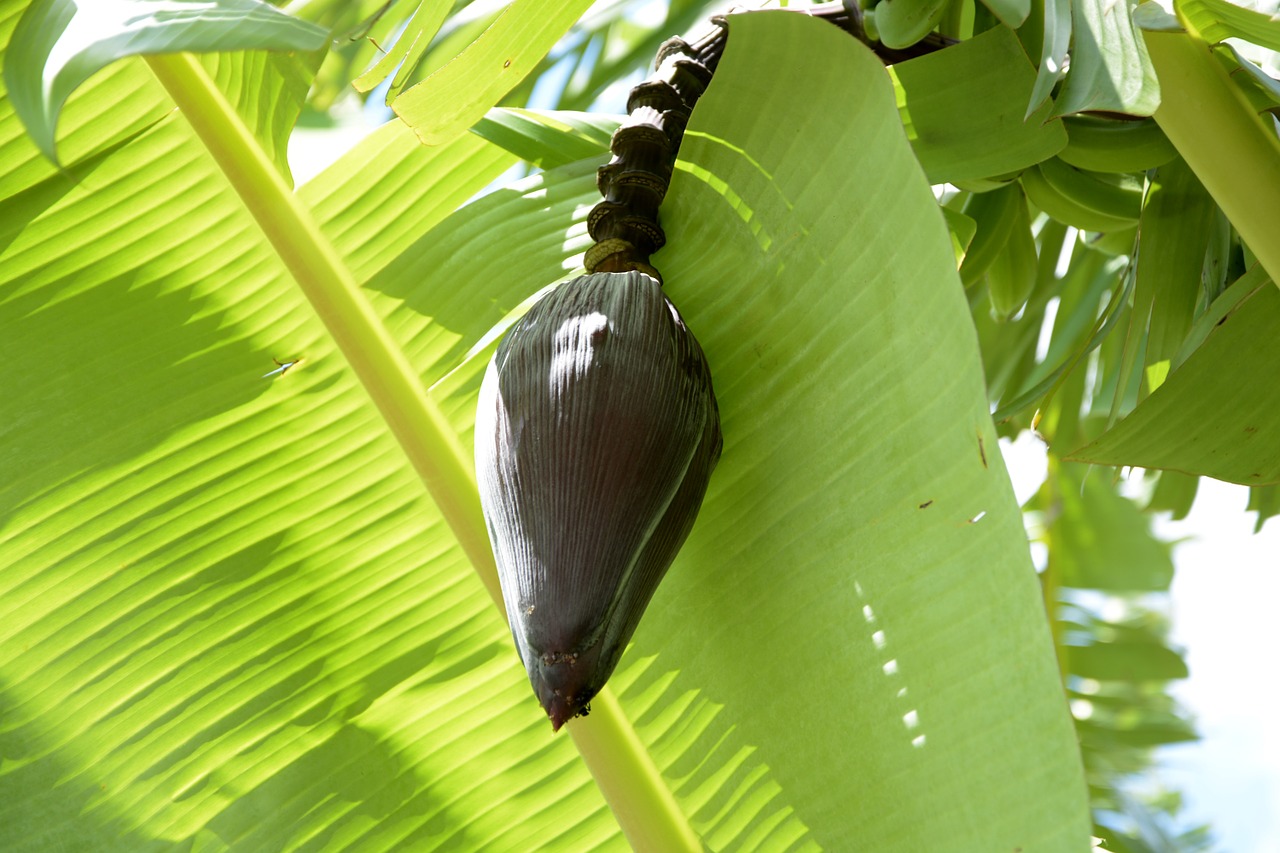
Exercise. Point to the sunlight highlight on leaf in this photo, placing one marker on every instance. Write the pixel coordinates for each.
(1110, 69)
(459, 94)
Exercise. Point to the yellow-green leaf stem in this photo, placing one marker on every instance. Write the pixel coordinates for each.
(1051, 577)
(629, 780)
(612, 751)
(1220, 136)
(416, 422)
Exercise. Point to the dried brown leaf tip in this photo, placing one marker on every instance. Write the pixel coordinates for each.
(596, 434)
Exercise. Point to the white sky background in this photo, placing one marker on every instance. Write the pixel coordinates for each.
(1225, 593)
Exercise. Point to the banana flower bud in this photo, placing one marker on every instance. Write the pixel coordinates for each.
(596, 434)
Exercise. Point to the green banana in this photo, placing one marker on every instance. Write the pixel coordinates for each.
(1090, 201)
(1115, 243)
(980, 185)
(902, 23)
(995, 213)
(961, 229)
(1116, 195)
(1012, 275)
(1109, 145)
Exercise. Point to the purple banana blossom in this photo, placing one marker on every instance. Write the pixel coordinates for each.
(596, 434)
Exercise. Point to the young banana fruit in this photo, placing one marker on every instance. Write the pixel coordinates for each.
(1112, 145)
(1090, 201)
(994, 213)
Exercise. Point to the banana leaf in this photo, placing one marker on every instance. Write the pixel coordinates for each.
(230, 618)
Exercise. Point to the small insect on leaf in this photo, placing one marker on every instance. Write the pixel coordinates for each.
(282, 367)
(596, 434)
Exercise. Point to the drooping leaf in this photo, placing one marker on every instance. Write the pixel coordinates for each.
(1222, 301)
(1260, 88)
(1144, 732)
(1153, 17)
(1126, 662)
(1175, 235)
(962, 230)
(87, 128)
(1010, 12)
(1217, 20)
(1011, 278)
(1214, 416)
(358, 27)
(59, 44)
(1174, 492)
(1235, 162)
(548, 139)
(1265, 501)
(902, 23)
(1077, 331)
(994, 215)
(1110, 69)
(410, 46)
(1053, 52)
(460, 93)
(955, 101)
(1099, 539)
(1009, 349)
(1112, 145)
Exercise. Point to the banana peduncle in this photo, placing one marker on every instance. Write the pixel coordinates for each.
(634, 182)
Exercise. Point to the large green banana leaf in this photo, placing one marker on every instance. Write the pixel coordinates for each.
(229, 618)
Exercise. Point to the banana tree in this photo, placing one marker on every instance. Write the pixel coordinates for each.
(234, 618)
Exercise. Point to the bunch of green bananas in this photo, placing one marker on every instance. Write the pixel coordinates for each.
(1094, 184)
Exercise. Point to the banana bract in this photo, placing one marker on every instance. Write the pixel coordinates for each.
(596, 433)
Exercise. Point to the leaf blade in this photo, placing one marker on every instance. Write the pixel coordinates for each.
(90, 37)
(785, 571)
(1110, 69)
(1212, 416)
(1053, 52)
(447, 102)
(250, 598)
(956, 100)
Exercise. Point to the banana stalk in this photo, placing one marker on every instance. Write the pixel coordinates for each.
(597, 427)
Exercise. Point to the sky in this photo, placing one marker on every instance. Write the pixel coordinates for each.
(1225, 592)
